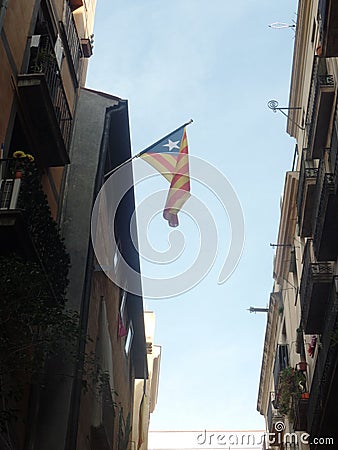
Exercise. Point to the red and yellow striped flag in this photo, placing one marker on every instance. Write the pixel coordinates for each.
(170, 157)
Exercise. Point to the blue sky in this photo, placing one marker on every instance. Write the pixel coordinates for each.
(219, 63)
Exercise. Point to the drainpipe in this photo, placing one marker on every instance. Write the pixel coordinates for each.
(3, 8)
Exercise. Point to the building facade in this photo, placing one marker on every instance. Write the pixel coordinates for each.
(299, 381)
(72, 340)
(146, 390)
(43, 49)
(43, 54)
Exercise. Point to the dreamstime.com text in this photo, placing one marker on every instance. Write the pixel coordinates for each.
(239, 440)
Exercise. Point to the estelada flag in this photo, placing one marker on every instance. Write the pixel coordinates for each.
(170, 157)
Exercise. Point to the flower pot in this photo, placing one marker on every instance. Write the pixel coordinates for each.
(305, 395)
(302, 366)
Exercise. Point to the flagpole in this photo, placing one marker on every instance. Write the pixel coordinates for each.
(145, 150)
(118, 167)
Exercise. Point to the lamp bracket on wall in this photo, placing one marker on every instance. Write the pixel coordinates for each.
(273, 104)
(253, 309)
(280, 245)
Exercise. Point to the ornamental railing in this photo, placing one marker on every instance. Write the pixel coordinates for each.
(43, 60)
(313, 271)
(307, 173)
(325, 187)
(21, 190)
(318, 81)
(312, 97)
(327, 356)
(71, 38)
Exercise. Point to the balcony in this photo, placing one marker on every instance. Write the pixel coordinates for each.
(71, 42)
(26, 226)
(87, 47)
(273, 418)
(305, 196)
(281, 362)
(319, 120)
(325, 216)
(328, 11)
(299, 412)
(315, 287)
(14, 235)
(325, 377)
(44, 104)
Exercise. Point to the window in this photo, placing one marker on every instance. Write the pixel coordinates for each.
(313, 31)
(281, 362)
(116, 259)
(129, 338)
(123, 303)
(121, 330)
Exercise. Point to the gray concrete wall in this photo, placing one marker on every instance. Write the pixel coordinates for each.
(55, 408)
(80, 184)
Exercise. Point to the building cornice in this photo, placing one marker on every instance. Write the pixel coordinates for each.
(268, 354)
(287, 227)
(298, 67)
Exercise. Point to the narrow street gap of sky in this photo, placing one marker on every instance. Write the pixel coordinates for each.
(219, 63)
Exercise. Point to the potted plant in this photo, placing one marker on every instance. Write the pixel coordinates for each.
(21, 159)
(302, 365)
(291, 384)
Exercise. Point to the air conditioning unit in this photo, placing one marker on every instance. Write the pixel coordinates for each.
(87, 47)
(9, 192)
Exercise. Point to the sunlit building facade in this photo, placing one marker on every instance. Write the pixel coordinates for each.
(72, 341)
(299, 383)
(146, 390)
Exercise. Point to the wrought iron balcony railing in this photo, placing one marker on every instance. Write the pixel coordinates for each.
(306, 188)
(325, 188)
(315, 284)
(319, 108)
(327, 14)
(299, 412)
(26, 226)
(312, 95)
(71, 40)
(43, 60)
(325, 363)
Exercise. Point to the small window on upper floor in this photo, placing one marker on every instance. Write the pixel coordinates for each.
(123, 303)
(313, 35)
(129, 338)
(116, 260)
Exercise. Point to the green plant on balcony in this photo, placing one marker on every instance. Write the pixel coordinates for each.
(43, 231)
(33, 328)
(291, 385)
(18, 163)
(34, 322)
(41, 60)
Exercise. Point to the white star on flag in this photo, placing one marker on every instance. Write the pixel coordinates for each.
(171, 145)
